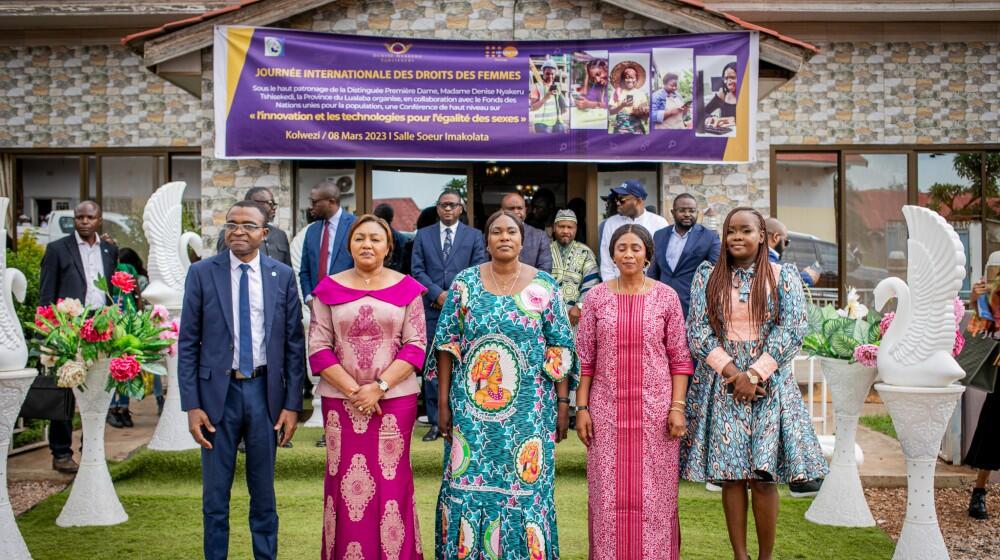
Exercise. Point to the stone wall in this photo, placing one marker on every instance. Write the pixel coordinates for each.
(90, 96)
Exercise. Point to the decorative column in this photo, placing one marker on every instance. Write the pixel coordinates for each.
(172, 428)
(841, 500)
(920, 416)
(13, 388)
(92, 500)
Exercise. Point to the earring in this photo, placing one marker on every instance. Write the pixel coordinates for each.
(645, 266)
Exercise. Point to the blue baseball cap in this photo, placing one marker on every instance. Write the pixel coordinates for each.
(631, 187)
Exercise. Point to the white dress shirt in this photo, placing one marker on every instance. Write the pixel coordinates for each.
(675, 247)
(454, 233)
(652, 222)
(256, 309)
(93, 268)
(331, 225)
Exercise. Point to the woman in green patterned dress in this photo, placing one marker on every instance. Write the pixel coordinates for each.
(505, 357)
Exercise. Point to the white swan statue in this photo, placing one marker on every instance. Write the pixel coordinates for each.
(13, 350)
(916, 349)
(168, 256)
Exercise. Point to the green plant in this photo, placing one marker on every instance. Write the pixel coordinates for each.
(835, 333)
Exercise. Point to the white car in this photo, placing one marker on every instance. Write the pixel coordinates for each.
(61, 225)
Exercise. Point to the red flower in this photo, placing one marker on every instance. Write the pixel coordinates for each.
(90, 334)
(123, 281)
(124, 368)
(47, 313)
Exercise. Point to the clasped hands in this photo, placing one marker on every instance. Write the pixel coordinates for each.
(365, 398)
(743, 389)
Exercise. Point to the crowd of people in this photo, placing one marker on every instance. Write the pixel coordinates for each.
(674, 350)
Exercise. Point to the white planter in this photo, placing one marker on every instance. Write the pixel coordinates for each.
(172, 428)
(13, 388)
(920, 415)
(841, 500)
(92, 500)
(316, 418)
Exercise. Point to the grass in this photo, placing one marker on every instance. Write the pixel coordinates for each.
(880, 423)
(162, 494)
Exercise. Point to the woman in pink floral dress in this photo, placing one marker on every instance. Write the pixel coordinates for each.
(634, 366)
(366, 339)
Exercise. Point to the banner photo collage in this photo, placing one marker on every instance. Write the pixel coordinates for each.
(287, 94)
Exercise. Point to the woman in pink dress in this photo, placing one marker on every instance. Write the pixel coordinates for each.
(634, 366)
(366, 339)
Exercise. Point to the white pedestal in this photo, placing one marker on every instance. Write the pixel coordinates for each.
(316, 418)
(13, 388)
(93, 500)
(841, 500)
(172, 429)
(920, 415)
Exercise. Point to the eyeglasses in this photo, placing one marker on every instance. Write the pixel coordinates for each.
(623, 199)
(315, 201)
(270, 203)
(249, 228)
(449, 205)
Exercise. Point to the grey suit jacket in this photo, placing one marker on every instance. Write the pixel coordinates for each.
(275, 245)
(536, 250)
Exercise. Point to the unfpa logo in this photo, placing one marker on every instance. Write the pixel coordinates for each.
(398, 48)
(500, 51)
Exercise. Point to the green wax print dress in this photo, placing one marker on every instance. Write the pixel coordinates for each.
(509, 351)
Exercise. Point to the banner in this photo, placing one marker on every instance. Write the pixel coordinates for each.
(289, 94)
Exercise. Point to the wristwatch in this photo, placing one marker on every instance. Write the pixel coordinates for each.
(382, 384)
(753, 377)
(581, 408)
(562, 400)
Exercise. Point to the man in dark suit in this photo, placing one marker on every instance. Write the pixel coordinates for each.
(240, 371)
(276, 241)
(325, 252)
(535, 250)
(69, 268)
(441, 251)
(680, 248)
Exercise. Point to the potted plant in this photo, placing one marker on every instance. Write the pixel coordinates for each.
(97, 351)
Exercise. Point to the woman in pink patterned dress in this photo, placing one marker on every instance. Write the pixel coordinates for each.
(366, 339)
(634, 366)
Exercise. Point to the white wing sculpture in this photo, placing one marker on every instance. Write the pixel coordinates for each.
(295, 248)
(168, 256)
(916, 349)
(13, 350)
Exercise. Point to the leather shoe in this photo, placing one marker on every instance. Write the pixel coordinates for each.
(65, 465)
(432, 434)
(115, 419)
(977, 504)
(126, 418)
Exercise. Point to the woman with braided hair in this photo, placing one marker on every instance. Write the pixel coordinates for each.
(748, 428)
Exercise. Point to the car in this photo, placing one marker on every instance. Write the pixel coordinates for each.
(805, 250)
(60, 225)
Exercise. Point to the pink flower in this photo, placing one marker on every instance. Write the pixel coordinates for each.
(535, 297)
(170, 334)
(124, 368)
(123, 281)
(91, 334)
(959, 343)
(959, 311)
(43, 314)
(883, 325)
(159, 314)
(866, 354)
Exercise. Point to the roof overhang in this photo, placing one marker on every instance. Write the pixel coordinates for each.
(163, 46)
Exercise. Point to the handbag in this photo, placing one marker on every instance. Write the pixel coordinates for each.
(979, 360)
(47, 401)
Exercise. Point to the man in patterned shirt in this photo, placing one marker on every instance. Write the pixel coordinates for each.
(573, 263)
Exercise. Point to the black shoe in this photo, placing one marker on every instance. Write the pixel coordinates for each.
(432, 434)
(288, 444)
(115, 419)
(805, 489)
(241, 446)
(977, 504)
(65, 464)
(321, 442)
(159, 405)
(126, 418)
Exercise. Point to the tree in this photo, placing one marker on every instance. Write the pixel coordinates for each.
(459, 185)
(955, 201)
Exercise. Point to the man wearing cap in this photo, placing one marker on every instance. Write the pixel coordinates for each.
(547, 104)
(573, 263)
(631, 197)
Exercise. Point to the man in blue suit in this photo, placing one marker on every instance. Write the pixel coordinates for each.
(440, 252)
(240, 372)
(324, 252)
(680, 248)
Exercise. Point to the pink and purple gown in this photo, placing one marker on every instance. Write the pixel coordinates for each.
(368, 511)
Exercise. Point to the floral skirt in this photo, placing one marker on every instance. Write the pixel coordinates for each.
(368, 509)
(770, 439)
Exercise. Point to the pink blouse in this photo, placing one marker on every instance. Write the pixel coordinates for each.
(365, 331)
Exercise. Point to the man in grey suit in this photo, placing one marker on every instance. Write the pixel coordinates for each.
(441, 251)
(535, 250)
(276, 242)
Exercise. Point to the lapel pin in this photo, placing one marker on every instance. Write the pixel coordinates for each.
(273, 273)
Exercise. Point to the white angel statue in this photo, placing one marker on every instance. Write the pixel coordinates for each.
(916, 349)
(168, 256)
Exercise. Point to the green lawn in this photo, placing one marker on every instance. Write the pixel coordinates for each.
(162, 494)
(880, 423)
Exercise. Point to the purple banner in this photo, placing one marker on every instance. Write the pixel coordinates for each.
(289, 94)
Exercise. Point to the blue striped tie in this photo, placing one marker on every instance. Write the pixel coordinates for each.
(447, 242)
(246, 332)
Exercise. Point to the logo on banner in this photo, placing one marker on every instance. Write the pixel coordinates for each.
(274, 46)
(398, 48)
(500, 51)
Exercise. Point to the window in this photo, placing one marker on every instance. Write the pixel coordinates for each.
(409, 191)
(309, 174)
